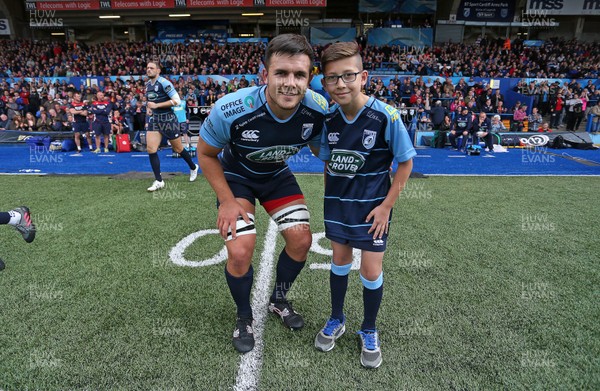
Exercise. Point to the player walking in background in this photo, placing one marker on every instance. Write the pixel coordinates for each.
(258, 129)
(79, 111)
(101, 108)
(362, 136)
(162, 99)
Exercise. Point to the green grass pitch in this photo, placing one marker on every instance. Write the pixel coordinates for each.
(491, 283)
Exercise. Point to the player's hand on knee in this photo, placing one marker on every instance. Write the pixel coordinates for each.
(229, 211)
(380, 216)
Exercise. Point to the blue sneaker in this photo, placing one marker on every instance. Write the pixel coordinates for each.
(370, 354)
(325, 339)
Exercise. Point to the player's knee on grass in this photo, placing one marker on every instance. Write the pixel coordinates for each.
(239, 257)
(298, 240)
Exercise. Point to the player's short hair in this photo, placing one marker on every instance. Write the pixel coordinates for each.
(340, 51)
(290, 44)
(157, 63)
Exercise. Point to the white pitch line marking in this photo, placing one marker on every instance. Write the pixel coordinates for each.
(251, 362)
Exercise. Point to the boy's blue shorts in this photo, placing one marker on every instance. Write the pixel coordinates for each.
(374, 245)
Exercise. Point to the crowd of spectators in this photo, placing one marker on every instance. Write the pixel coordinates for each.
(487, 58)
(45, 106)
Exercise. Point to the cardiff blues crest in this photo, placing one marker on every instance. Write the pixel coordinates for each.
(368, 139)
(306, 131)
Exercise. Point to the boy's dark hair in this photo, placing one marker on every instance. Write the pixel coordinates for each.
(339, 51)
(290, 44)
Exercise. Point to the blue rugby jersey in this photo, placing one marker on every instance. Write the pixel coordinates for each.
(255, 143)
(359, 155)
(161, 91)
(463, 122)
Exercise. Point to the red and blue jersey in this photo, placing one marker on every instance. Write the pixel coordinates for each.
(359, 154)
(79, 107)
(101, 110)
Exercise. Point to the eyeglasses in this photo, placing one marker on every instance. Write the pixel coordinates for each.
(346, 78)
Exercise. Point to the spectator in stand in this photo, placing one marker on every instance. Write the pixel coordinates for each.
(12, 108)
(574, 107)
(580, 111)
(438, 112)
(519, 117)
(487, 106)
(29, 124)
(497, 97)
(17, 122)
(128, 113)
(595, 111)
(556, 111)
(497, 124)
(43, 123)
(116, 124)
(544, 98)
(441, 134)
(534, 120)
(545, 128)
(4, 122)
(139, 118)
(211, 98)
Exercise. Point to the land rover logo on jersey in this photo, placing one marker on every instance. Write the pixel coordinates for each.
(276, 154)
(306, 131)
(345, 162)
(368, 139)
(249, 101)
(152, 96)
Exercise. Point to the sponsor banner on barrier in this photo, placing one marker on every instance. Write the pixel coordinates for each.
(17, 136)
(562, 7)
